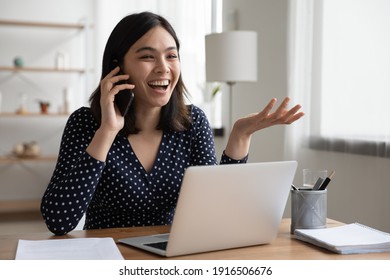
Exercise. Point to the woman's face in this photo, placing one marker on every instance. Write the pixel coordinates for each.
(154, 68)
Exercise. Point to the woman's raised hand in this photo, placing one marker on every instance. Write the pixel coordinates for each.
(257, 121)
(240, 136)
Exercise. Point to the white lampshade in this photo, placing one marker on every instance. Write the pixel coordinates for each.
(231, 56)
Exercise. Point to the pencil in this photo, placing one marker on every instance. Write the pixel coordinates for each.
(326, 181)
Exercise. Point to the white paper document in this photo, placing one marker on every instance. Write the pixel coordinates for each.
(68, 249)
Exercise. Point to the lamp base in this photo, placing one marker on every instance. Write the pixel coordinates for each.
(231, 122)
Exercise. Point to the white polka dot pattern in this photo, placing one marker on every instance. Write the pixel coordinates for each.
(119, 192)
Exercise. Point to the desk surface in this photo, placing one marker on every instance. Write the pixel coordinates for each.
(284, 247)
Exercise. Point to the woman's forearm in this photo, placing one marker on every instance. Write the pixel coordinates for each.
(238, 144)
(100, 144)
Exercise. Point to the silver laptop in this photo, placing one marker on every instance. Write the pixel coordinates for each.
(224, 206)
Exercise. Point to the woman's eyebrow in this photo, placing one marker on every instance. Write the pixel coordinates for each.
(153, 49)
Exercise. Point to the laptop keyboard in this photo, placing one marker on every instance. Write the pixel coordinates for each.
(158, 245)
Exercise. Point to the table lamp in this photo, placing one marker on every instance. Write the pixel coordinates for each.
(231, 57)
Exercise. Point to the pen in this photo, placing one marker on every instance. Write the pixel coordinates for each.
(317, 185)
(326, 182)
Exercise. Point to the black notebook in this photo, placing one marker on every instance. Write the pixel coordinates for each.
(352, 238)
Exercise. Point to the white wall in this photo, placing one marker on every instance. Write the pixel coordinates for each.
(360, 190)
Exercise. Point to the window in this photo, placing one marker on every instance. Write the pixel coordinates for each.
(355, 84)
(346, 72)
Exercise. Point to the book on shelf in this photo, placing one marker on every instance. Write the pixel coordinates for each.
(353, 238)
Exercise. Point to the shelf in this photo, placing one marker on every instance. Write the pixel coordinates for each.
(40, 69)
(42, 24)
(53, 25)
(13, 159)
(10, 114)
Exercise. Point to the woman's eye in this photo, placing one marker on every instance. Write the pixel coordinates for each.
(147, 57)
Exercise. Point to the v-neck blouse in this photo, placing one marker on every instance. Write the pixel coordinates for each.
(119, 192)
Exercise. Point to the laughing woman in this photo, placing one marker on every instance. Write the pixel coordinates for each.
(123, 171)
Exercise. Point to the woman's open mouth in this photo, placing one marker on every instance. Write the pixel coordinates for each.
(159, 84)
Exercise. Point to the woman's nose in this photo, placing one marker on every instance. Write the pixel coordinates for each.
(162, 66)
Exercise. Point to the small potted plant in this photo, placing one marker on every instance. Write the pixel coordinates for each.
(44, 105)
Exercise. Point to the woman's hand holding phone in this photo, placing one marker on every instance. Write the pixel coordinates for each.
(111, 85)
(124, 98)
(111, 119)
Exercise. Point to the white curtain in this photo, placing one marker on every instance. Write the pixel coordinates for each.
(340, 71)
(300, 69)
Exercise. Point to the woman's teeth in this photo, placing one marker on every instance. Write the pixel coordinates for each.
(159, 84)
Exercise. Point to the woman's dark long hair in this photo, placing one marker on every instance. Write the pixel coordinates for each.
(175, 114)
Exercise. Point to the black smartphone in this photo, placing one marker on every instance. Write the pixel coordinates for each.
(123, 98)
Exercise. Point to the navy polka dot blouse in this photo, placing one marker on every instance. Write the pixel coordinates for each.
(119, 192)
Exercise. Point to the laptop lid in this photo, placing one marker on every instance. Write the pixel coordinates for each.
(226, 206)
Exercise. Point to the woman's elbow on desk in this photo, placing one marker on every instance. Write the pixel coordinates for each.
(57, 225)
(58, 229)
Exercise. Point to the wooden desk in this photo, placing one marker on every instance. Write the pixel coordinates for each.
(284, 247)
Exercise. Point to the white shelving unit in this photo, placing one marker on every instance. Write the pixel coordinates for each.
(15, 30)
(39, 77)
